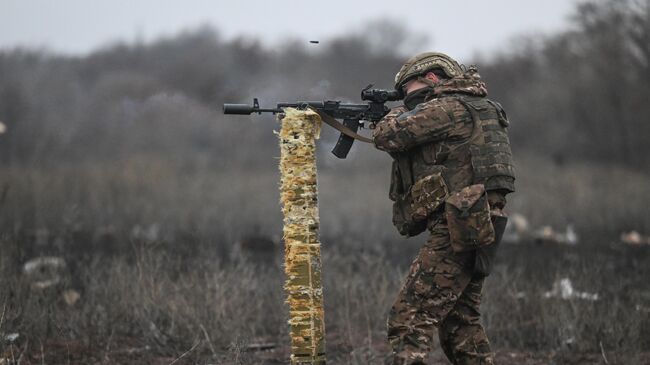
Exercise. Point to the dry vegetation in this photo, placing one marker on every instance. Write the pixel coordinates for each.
(167, 213)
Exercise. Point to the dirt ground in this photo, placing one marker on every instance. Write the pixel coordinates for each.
(133, 351)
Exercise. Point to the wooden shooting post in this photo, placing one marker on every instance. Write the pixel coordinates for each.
(302, 258)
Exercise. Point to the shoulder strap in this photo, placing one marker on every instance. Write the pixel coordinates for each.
(475, 117)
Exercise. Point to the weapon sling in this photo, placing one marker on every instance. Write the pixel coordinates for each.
(340, 127)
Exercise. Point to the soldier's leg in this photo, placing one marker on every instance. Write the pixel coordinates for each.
(462, 336)
(408, 331)
(436, 280)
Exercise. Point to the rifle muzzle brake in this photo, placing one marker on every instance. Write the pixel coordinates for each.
(238, 109)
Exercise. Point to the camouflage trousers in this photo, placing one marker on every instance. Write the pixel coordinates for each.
(440, 293)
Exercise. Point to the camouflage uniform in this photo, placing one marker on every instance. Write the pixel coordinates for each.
(451, 171)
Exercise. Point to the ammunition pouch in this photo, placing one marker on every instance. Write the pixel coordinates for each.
(468, 219)
(412, 209)
(402, 220)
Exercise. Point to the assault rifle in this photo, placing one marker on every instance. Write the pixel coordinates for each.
(353, 115)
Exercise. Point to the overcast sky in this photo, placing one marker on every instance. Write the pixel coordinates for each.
(457, 27)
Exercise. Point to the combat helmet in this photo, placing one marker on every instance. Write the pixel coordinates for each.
(424, 62)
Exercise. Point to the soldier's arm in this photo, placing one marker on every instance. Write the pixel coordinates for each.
(401, 129)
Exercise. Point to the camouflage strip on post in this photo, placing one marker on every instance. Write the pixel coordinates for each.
(299, 198)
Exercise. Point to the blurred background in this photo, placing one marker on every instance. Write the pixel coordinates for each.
(137, 222)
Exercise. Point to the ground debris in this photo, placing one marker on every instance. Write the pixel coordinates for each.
(563, 289)
(519, 230)
(44, 272)
(547, 234)
(261, 346)
(634, 238)
(71, 296)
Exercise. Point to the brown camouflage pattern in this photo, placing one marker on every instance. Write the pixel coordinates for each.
(428, 195)
(435, 135)
(441, 292)
(468, 83)
(468, 216)
(399, 132)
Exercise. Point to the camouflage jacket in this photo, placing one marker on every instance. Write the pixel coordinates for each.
(457, 134)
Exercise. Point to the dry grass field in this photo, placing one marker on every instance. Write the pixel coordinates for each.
(177, 265)
(140, 225)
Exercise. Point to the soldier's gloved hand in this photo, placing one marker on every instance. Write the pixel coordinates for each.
(485, 256)
(484, 259)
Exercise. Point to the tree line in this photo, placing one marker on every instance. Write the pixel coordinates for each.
(580, 94)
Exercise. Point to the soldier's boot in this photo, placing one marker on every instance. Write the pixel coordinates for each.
(409, 348)
(396, 359)
(467, 346)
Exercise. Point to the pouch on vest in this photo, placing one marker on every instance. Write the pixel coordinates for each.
(468, 218)
(402, 217)
(411, 210)
(427, 195)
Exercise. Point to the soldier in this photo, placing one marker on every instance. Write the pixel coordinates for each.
(452, 168)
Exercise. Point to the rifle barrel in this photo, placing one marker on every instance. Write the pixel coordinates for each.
(246, 109)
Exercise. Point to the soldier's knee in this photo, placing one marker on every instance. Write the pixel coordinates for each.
(463, 316)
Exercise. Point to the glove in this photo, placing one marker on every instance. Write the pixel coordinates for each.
(485, 256)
